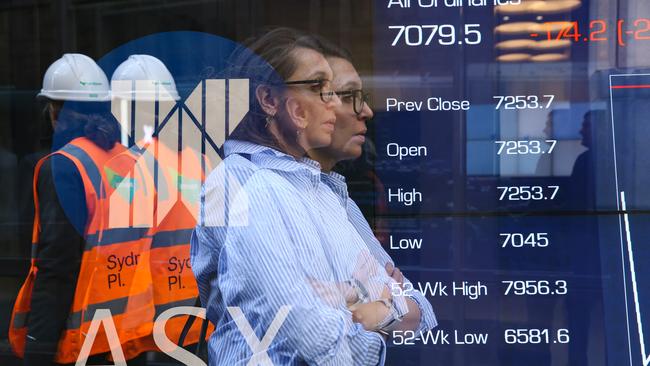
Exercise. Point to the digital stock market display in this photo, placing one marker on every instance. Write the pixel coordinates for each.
(510, 145)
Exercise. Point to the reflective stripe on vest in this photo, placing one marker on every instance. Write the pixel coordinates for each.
(74, 320)
(116, 235)
(91, 169)
(170, 305)
(171, 238)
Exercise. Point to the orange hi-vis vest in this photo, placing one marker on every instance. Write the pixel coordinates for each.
(174, 179)
(114, 272)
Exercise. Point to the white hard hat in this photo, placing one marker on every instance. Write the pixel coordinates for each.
(149, 73)
(75, 77)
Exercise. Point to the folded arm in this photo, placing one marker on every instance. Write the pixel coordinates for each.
(420, 316)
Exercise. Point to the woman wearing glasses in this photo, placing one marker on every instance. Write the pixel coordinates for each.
(347, 144)
(277, 263)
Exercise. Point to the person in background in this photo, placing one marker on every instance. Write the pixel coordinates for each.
(585, 302)
(347, 144)
(544, 167)
(583, 195)
(48, 323)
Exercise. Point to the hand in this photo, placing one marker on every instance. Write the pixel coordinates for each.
(369, 315)
(349, 293)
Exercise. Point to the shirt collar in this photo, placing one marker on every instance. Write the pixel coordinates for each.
(270, 158)
(231, 147)
(313, 164)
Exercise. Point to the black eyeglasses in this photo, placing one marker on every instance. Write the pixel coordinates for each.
(323, 87)
(356, 96)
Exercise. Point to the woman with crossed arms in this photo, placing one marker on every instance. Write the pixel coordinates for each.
(282, 272)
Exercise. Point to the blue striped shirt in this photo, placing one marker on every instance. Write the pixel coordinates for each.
(271, 235)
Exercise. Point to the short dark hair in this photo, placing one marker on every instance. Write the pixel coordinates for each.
(92, 120)
(267, 60)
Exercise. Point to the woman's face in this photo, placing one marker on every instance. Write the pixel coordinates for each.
(349, 135)
(315, 118)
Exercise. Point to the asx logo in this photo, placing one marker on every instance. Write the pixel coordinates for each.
(188, 136)
(102, 317)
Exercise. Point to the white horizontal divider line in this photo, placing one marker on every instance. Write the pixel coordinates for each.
(644, 356)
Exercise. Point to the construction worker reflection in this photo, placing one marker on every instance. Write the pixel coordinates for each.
(52, 311)
(154, 187)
